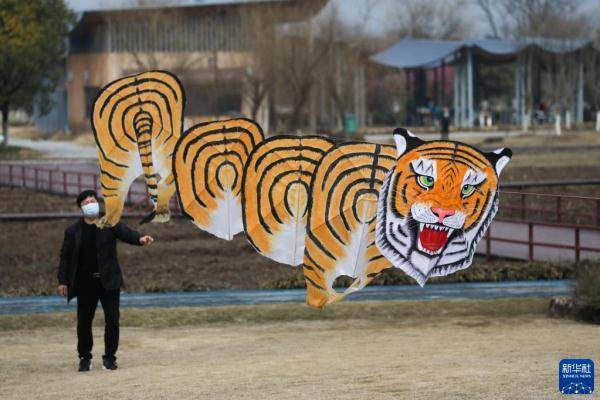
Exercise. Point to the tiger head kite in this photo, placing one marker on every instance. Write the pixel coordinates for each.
(436, 204)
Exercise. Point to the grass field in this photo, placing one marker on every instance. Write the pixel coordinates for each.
(546, 139)
(17, 153)
(551, 153)
(502, 349)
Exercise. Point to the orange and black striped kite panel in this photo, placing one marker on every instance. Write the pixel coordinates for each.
(209, 162)
(341, 229)
(276, 193)
(136, 122)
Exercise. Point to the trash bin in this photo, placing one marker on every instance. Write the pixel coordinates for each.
(350, 124)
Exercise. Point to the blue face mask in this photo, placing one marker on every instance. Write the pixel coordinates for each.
(91, 210)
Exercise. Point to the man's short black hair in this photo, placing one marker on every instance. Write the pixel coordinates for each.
(85, 194)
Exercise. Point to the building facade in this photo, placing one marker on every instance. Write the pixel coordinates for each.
(208, 45)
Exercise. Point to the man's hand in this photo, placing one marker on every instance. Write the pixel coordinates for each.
(146, 240)
(62, 290)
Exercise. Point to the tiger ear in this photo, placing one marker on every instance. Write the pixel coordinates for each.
(405, 140)
(499, 158)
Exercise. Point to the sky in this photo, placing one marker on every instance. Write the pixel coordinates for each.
(354, 10)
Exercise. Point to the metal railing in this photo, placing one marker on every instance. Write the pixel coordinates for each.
(531, 242)
(532, 209)
(548, 207)
(526, 206)
(64, 182)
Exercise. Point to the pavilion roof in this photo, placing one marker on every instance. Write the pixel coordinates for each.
(427, 53)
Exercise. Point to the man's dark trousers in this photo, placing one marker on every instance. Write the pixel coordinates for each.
(90, 292)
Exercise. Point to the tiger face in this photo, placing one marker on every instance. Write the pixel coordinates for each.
(436, 203)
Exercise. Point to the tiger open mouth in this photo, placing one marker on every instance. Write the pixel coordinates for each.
(432, 238)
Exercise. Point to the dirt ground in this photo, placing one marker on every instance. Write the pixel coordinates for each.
(182, 257)
(440, 356)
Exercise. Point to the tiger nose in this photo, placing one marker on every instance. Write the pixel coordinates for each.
(442, 213)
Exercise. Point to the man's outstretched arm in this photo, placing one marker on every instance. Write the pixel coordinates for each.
(130, 236)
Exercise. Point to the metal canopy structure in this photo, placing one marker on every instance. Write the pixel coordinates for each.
(419, 54)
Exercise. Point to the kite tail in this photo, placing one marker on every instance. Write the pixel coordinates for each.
(142, 124)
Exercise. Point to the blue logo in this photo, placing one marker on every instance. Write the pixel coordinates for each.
(576, 376)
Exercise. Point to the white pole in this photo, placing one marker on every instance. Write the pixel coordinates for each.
(456, 93)
(463, 96)
(518, 94)
(579, 98)
(568, 119)
(598, 121)
(557, 125)
(470, 89)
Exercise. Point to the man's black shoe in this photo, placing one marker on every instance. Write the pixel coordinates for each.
(109, 363)
(85, 364)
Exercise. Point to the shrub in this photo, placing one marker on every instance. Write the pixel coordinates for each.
(587, 292)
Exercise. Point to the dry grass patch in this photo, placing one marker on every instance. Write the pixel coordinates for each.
(408, 312)
(396, 350)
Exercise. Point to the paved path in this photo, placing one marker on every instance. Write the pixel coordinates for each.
(555, 235)
(57, 149)
(459, 135)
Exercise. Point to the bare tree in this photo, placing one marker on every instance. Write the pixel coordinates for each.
(298, 60)
(148, 30)
(544, 18)
(535, 18)
(260, 68)
(313, 65)
(345, 46)
(489, 8)
(429, 19)
(592, 74)
(560, 81)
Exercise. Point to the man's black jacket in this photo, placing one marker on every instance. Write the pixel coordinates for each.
(111, 276)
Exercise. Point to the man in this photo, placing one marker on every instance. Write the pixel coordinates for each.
(89, 270)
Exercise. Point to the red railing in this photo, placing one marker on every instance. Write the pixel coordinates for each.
(548, 207)
(550, 210)
(526, 206)
(63, 182)
(531, 242)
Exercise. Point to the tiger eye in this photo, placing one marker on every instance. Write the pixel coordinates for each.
(425, 181)
(467, 190)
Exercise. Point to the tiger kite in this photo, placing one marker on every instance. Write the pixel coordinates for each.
(340, 237)
(349, 209)
(208, 163)
(136, 121)
(275, 197)
(436, 204)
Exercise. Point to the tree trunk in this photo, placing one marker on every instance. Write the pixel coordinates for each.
(5, 125)
(257, 100)
(254, 112)
(297, 108)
